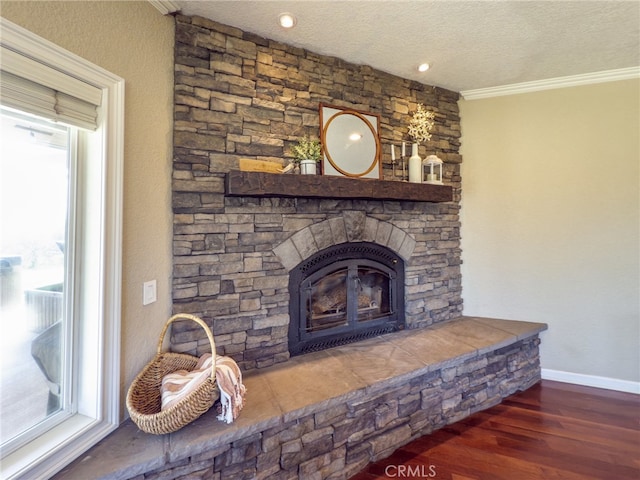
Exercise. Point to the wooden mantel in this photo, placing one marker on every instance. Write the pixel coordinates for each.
(259, 184)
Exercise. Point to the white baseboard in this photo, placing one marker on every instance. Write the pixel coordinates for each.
(591, 381)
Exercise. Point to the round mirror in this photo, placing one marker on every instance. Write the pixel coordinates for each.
(351, 143)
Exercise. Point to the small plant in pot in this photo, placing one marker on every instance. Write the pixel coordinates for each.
(306, 154)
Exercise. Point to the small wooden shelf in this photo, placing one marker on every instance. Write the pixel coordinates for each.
(259, 184)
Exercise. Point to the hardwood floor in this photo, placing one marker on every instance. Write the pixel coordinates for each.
(552, 431)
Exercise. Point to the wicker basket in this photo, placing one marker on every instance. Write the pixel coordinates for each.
(144, 397)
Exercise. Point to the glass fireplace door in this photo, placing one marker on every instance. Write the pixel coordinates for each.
(345, 295)
(374, 294)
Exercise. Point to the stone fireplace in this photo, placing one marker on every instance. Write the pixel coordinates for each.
(333, 252)
(343, 294)
(241, 96)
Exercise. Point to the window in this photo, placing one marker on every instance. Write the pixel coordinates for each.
(60, 260)
(35, 161)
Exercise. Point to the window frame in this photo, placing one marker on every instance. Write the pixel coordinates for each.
(100, 182)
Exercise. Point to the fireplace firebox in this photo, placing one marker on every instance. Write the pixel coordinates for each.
(343, 294)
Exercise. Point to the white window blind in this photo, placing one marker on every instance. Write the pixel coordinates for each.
(55, 95)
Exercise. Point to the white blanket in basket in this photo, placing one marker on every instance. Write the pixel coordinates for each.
(177, 385)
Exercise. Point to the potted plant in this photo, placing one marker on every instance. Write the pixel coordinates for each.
(306, 154)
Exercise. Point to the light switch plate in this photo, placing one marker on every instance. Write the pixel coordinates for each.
(149, 294)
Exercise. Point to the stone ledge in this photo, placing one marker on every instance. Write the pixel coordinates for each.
(314, 384)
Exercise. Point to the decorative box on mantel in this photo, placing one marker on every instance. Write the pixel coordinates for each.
(259, 184)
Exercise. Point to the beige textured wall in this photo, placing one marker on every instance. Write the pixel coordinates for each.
(135, 41)
(550, 221)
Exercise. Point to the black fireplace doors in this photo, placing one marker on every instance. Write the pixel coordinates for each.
(343, 294)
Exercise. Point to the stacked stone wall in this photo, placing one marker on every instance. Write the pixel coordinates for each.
(238, 95)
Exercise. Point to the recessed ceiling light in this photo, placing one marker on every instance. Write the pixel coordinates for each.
(287, 20)
(423, 67)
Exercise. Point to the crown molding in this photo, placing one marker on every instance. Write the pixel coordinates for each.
(166, 7)
(553, 83)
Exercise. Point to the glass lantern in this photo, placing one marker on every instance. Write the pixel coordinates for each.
(434, 170)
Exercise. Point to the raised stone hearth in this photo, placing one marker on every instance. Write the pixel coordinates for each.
(326, 415)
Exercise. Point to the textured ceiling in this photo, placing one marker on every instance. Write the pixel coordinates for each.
(469, 44)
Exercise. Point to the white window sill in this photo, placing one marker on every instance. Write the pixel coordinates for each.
(71, 438)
